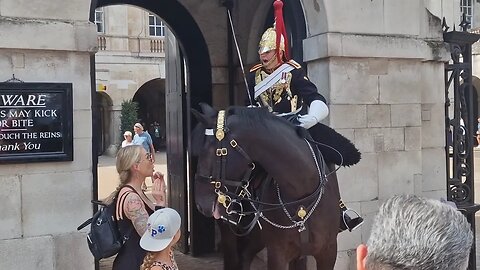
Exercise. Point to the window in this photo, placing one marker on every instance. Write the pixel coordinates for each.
(100, 20)
(466, 7)
(155, 26)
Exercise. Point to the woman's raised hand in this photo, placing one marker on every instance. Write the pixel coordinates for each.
(159, 189)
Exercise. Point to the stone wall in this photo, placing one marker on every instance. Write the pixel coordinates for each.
(43, 203)
(380, 65)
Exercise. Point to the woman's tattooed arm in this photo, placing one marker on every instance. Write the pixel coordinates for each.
(135, 211)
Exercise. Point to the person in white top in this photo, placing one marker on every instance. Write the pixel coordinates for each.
(128, 138)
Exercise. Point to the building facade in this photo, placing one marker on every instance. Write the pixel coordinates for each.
(130, 64)
(380, 64)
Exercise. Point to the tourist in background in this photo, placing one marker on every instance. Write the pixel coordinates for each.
(128, 138)
(144, 139)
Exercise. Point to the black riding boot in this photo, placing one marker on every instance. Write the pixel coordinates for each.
(346, 222)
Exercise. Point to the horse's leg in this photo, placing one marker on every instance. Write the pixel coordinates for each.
(229, 244)
(298, 264)
(326, 259)
(249, 246)
(325, 253)
(277, 259)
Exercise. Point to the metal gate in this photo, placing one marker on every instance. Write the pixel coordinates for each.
(460, 129)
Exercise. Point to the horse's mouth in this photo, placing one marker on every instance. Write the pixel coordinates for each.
(215, 210)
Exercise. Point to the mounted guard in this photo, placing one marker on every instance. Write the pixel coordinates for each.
(280, 84)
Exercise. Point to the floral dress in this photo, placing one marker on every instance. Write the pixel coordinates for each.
(164, 266)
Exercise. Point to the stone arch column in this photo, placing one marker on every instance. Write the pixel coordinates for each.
(105, 128)
(43, 203)
(380, 66)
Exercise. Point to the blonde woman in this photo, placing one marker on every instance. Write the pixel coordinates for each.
(163, 232)
(134, 165)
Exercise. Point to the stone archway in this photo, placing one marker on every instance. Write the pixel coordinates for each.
(151, 99)
(191, 42)
(105, 128)
(190, 84)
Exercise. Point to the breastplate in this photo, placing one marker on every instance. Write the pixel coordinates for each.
(278, 98)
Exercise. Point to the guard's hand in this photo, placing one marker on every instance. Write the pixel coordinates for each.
(159, 189)
(307, 121)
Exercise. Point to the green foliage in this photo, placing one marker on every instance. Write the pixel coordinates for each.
(129, 116)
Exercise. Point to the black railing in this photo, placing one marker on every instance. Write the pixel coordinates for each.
(459, 124)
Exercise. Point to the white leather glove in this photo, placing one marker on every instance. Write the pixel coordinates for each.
(317, 112)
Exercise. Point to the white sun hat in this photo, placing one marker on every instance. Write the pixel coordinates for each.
(162, 226)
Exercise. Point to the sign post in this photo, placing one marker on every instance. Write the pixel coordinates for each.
(36, 122)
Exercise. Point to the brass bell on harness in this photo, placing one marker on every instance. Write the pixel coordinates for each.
(301, 213)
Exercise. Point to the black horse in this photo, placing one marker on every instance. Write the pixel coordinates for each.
(258, 169)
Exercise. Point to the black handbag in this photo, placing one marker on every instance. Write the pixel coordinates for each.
(106, 237)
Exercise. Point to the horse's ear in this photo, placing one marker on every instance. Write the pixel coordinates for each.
(208, 110)
(202, 118)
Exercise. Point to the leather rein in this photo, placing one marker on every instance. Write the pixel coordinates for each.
(232, 201)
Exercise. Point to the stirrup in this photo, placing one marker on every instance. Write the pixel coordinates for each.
(351, 223)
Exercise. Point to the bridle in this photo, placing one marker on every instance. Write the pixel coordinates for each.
(218, 177)
(225, 143)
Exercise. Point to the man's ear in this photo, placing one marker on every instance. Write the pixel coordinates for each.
(362, 251)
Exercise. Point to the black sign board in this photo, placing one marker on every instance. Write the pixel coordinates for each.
(36, 122)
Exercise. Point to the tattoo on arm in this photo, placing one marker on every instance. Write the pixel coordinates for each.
(135, 211)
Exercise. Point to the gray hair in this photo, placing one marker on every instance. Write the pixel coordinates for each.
(411, 232)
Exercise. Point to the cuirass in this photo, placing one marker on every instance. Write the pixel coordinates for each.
(278, 98)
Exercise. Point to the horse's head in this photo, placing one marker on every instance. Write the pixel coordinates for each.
(223, 165)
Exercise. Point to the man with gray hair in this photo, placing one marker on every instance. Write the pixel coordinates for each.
(411, 232)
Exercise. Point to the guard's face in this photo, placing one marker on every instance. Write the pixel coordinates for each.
(269, 59)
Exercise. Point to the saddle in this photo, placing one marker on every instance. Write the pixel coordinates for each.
(328, 139)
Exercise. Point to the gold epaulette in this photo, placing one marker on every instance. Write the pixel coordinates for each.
(256, 67)
(294, 64)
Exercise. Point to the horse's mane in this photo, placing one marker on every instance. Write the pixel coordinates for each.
(198, 138)
(254, 118)
(335, 147)
(257, 118)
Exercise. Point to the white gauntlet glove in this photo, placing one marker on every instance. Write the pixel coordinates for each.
(317, 112)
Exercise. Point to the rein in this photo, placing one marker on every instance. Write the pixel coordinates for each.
(229, 199)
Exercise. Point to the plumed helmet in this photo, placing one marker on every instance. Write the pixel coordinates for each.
(268, 41)
(275, 38)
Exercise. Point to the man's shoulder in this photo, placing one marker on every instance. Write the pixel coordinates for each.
(256, 67)
(294, 64)
(291, 62)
